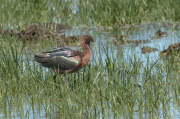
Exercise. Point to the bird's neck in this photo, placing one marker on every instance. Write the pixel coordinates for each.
(86, 55)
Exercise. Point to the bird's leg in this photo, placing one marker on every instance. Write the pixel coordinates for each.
(54, 77)
(64, 79)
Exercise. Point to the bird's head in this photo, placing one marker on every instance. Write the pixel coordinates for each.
(87, 40)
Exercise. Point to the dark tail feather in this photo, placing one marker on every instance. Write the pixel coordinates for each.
(41, 60)
(40, 57)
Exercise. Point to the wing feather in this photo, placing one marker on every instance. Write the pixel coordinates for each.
(58, 59)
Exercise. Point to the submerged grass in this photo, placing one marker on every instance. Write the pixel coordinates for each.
(101, 89)
(107, 88)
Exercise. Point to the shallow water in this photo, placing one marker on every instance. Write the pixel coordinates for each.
(105, 38)
(142, 32)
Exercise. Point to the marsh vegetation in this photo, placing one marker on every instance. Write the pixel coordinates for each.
(121, 82)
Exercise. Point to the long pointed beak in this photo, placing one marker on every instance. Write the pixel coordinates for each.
(92, 52)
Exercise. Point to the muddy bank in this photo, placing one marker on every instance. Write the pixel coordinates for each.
(148, 49)
(122, 40)
(173, 49)
(38, 32)
(138, 41)
(159, 34)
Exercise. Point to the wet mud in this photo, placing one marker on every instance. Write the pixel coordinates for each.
(173, 49)
(48, 31)
(138, 41)
(148, 49)
(159, 34)
(122, 40)
(38, 32)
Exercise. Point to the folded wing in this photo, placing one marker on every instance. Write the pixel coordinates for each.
(60, 58)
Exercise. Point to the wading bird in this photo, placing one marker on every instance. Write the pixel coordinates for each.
(66, 60)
